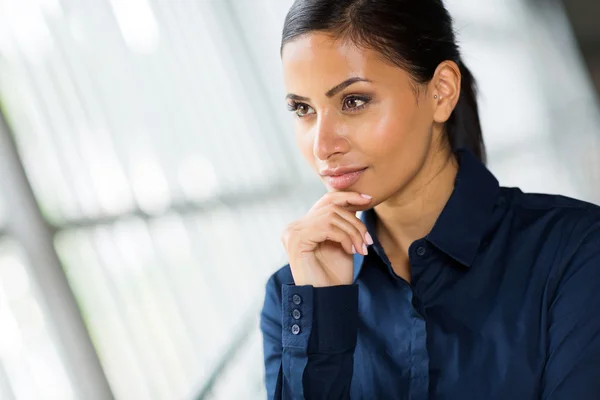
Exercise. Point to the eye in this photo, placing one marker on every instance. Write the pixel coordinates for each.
(355, 103)
(300, 109)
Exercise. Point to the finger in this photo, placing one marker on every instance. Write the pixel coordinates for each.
(356, 222)
(338, 235)
(344, 199)
(349, 216)
(353, 233)
(313, 231)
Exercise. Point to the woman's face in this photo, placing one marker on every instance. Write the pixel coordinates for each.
(357, 117)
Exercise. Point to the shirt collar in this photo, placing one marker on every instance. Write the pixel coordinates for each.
(465, 218)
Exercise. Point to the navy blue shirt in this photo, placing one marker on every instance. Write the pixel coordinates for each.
(504, 303)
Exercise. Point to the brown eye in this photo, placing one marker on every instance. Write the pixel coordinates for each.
(354, 103)
(300, 109)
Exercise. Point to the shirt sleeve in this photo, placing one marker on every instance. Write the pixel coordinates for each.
(573, 365)
(309, 337)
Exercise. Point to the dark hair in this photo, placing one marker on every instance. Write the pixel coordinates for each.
(416, 35)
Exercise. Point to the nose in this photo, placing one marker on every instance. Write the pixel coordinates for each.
(330, 138)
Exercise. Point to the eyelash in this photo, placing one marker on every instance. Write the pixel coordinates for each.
(294, 106)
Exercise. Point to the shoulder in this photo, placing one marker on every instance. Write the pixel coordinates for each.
(553, 213)
(539, 201)
(569, 230)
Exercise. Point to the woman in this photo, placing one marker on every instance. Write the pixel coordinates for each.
(448, 286)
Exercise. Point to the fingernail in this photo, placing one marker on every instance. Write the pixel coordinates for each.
(353, 250)
(366, 196)
(369, 238)
(365, 251)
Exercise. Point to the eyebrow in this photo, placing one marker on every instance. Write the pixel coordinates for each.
(331, 92)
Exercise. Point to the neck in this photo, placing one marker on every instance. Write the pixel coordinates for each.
(410, 214)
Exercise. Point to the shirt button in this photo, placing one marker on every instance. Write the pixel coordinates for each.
(295, 329)
(421, 251)
(296, 299)
(296, 314)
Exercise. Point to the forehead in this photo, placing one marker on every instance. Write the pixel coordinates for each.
(316, 61)
(319, 47)
(318, 55)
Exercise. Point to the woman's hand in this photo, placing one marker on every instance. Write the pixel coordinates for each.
(320, 246)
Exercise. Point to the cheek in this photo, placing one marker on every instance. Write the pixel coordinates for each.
(304, 141)
(389, 131)
(397, 140)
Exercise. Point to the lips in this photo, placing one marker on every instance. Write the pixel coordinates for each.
(342, 179)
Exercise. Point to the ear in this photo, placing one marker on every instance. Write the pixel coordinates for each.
(445, 90)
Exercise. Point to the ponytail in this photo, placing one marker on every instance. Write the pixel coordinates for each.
(463, 128)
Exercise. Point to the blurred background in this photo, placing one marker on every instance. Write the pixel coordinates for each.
(148, 166)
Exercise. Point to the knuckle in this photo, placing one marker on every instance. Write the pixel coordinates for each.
(330, 225)
(289, 230)
(289, 227)
(362, 229)
(328, 195)
(285, 237)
